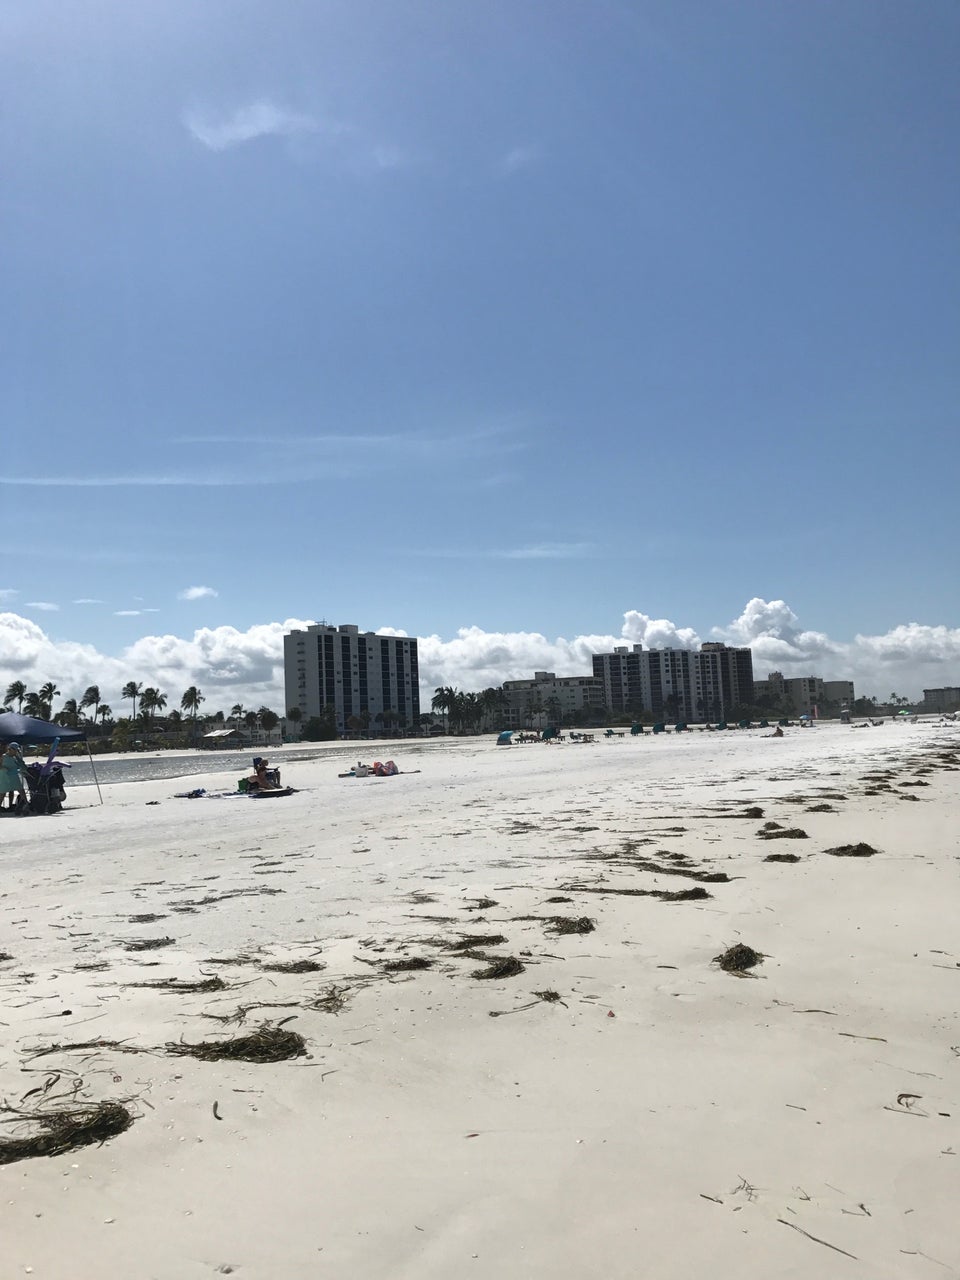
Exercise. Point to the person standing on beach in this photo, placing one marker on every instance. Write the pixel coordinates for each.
(11, 776)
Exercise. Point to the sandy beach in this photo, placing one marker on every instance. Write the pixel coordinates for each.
(617, 1105)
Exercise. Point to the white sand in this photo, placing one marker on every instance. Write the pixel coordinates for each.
(667, 1120)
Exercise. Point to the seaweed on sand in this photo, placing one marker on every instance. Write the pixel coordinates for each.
(737, 959)
(67, 1130)
(504, 967)
(148, 917)
(782, 857)
(570, 924)
(269, 1043)
(684, 895)
(785, 833)
(331, 1002)
(147, 944)
(859, 850)
(411, 962)
(5, 955)
(294, 966)
(469, 940)
(202, 987)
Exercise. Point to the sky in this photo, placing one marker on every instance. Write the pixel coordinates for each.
(525, 327)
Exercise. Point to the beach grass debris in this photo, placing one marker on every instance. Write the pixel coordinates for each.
(5, 955)
(783, 833)
(67, 1129)
(468, 940)
(821, 808)
(570, 924)
(482, 904)
(501, 967)
(738, 958)
(684, 895)
(203, 986)
(782, 857)
(269, 1043)
(118, 1046)
(332, 1001)
(406, 964)
(93, 966)
(148, 917)
(294, 966)
(550, 997)
(147, 944)
(858, 850)
(559, 898)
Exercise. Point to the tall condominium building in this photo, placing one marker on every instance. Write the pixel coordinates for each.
(676, 683)
(357, 673)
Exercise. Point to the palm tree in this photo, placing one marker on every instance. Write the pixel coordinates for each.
(191, 700)
(236, 711)
(132, 690)
(444, 698)
(152, 701)
(33, 705)
(48, 692)
(268, 719)
(105, 712)
(69, 714)
(16, 691)
(295, 714)
(91, 698)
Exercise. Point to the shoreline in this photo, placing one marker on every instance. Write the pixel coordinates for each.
(425, 1133)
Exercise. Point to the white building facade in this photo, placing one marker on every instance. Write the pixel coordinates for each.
(680, 684)
(359, 674)
(549, 699)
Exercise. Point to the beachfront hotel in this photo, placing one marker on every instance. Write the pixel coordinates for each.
(679, 683)
(375, 678)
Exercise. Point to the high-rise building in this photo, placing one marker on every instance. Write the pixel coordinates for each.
(676, 683)
(361, 674)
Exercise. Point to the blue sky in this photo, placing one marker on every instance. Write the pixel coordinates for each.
(515, 316)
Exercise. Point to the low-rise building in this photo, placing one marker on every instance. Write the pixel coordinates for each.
(945, 699)
(549, 699)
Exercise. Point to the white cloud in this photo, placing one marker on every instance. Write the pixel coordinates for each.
(44, 605)
(549, 551)
(196, 593)
(247, 666)
(128, 613)
(87, 600)
(261, 119)
(8, 593)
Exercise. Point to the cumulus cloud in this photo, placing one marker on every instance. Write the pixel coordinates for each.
(773, 632)
(261, 119)
(196, 593)
(233, 665)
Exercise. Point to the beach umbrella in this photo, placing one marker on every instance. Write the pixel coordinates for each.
(15, 727)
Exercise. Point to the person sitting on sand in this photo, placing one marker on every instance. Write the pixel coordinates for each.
(11, 776)
(262, 778)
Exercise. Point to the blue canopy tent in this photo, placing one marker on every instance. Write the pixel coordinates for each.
(28, 730)
(504, 738)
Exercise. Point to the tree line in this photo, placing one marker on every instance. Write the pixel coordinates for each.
(147, 715)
